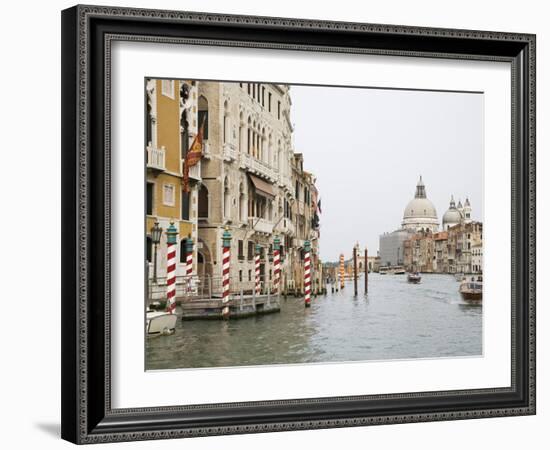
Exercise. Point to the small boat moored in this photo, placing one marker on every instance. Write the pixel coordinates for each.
(414, 277)
(160, 323)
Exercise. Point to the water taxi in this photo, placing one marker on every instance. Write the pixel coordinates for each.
(414, 277)
(398, 270)
(471, 289)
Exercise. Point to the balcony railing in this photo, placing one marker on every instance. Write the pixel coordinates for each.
(206, 150)
(156, 158)
(194, 171)
(260, 225)
(258, 167)
(229, 152)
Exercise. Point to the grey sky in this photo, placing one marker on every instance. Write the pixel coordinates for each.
(368, 147)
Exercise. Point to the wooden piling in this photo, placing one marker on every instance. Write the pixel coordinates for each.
(366, 270)
(355, 270)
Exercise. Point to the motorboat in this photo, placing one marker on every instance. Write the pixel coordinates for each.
(414, 277)
(471, 289)
(398, 270)
(160, 323)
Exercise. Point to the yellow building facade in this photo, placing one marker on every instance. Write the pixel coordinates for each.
(171, 125)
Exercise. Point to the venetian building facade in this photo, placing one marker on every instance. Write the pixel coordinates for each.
(170, 127)
(463, 239)
(247, 180)
(303, 209)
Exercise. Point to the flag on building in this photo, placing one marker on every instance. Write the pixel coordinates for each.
(193, 157)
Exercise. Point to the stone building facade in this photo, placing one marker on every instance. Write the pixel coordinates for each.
(249, 180)
(457, 250)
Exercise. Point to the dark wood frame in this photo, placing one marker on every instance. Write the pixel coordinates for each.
(87, 32)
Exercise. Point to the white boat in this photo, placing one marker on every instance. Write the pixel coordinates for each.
(398, 270)
(160, 323)
(471, 289)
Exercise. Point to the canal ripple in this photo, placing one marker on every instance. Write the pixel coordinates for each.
(396, 320)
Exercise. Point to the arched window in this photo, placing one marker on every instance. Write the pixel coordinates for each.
(241, 131)
(226, 125)
(203, 115)
(226, 200)
(184, 124)
(183, 250)
(149, 126)
(262, 139)
(249, 137)
(242, 204)
(149, 249)
(203, 202)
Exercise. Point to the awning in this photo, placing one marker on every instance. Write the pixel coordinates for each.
(262, 187)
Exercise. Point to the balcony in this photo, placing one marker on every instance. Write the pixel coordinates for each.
(229, 152)
(206, 150)
(260, 225)
(257, 167)
(156, 158)
(286, 227)
(194, 171)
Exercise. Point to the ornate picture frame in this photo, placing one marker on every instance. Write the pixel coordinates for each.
(88, 33)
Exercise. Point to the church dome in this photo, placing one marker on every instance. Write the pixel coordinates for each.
(452, 216)
(420, 207)
(420, 212)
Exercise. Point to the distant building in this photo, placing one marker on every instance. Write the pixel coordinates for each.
(477, 258)
(392, 247)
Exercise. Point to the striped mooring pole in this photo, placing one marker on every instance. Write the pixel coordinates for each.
(342, 271)
(257, 285)
(307, 273)
(276, 264)
(171, 240)
(226, 258)
(188, 264)
(189, 257)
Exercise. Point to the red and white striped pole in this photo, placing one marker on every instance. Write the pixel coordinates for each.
(171, 235)
(188, 264)
(189, 257)
(257, 281)
(342, 271)
(307, 274)
(226, 260)
(276, 264)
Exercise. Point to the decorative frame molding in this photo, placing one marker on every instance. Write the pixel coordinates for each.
(87, 34)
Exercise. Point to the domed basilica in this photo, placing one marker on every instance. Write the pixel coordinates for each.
(419, 216)
(420, 213)
(457, 214)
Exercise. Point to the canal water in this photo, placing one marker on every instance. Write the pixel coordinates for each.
(395, 320)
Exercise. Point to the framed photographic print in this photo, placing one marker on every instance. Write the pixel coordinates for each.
(280, 224)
